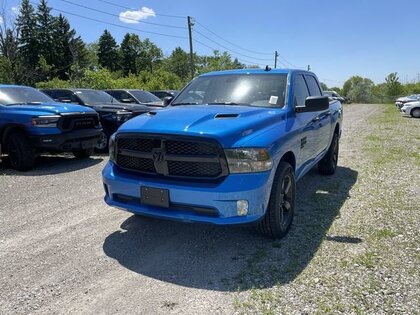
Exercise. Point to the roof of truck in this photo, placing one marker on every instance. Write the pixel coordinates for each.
(254, 71)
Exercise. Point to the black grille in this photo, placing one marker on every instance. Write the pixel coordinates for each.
(138, 144)
(170, 156)
(190, 148)
(135, 163)
(77, 122)
(194, 169)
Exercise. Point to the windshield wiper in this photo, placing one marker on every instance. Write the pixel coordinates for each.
(185, 104)
(24, 103)
(225, 103)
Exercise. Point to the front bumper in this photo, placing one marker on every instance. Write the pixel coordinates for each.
(405, 111)
(66, 142)
(191, 201)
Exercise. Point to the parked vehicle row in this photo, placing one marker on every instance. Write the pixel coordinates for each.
(112, 113)
(409, 105)
(33, 122)
(333, 95)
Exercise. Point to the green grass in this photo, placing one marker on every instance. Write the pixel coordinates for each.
(383, 213)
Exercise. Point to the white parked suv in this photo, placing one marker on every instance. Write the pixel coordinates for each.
(412, 109)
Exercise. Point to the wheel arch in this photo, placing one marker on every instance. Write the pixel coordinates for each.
(7, 131)
(290, 158)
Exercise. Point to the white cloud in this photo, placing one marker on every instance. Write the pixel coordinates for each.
(133, 17)
(1, 20)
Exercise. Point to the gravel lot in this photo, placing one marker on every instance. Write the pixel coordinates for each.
(353, 247)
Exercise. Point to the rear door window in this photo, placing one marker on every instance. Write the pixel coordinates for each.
(314, 89)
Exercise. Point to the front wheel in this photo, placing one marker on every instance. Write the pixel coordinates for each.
(415, 113)
(102, 145)
(328, 164)
(21, 152)
(281, 206)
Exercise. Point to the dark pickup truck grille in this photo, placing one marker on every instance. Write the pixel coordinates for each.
(171, 156)
(78, 121)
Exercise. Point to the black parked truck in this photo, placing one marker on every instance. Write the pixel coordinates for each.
(112, 113)
(136, 97)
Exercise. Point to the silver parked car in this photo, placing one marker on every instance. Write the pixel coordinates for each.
(412, 109)
(399, 102)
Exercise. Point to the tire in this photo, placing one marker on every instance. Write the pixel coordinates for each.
(328, 164)
(281, 206)
(21, 153)
(83, 154)
(102, 145)
(415, 113)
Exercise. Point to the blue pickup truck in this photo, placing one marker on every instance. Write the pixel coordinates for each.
(32, 123)
(228, 150)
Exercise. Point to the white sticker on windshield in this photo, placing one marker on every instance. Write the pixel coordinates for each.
(273, 99)
(78, 92)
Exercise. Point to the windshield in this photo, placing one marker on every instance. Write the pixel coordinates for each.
(328, 93)
(22, 95)
(145, 97)
(264, 90)
(95, 97)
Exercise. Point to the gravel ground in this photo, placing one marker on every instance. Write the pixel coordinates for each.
(353, 247)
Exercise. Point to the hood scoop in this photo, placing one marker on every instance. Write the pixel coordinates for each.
(217, 116)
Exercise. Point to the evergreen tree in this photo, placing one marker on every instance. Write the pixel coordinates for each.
(45, 23)
(130, 50)
(27, 44)
(108, 56)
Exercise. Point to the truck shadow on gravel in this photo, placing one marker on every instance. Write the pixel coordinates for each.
(52, 165)
(232, 258)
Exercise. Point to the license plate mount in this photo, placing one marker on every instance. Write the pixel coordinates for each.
(157, 197)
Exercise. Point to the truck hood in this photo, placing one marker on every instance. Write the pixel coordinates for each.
(115, 107)
(50, 108)
(227, 124)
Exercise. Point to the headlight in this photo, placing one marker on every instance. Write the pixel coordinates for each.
(111, 146)
(122, 116)
(45, 121)
(248, 160)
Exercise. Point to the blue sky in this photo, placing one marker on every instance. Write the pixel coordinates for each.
(337, 39)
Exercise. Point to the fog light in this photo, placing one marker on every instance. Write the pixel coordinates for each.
(242, 207)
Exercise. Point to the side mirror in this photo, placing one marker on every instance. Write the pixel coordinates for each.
(314, 104)
(167, 100)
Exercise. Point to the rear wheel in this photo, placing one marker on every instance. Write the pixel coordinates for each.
(279, 215)
(83, 154)
(328, 164)
(415, 113)
(21, 152)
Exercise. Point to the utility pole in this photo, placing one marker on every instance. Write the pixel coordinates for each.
(275, 59)
(309, 67)
(190, 25)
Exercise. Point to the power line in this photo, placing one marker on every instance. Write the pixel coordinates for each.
(235, 52)
(113, 24)
(241, 60)
(116, 15)
(233, 44)
(128, 8)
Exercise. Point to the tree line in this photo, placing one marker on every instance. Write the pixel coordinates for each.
(39, 49)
